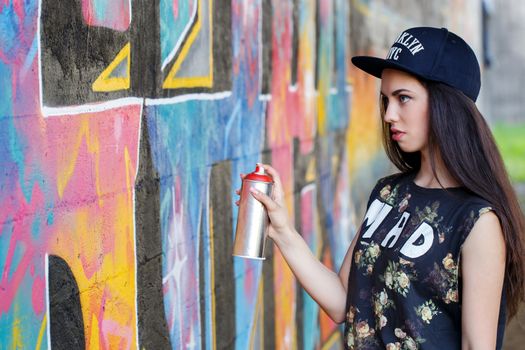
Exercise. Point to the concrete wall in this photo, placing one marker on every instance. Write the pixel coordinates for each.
(505, 77)
(123, 128)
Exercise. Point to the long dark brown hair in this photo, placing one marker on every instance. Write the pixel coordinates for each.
(460, 134)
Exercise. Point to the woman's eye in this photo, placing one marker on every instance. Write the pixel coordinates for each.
(404, 98)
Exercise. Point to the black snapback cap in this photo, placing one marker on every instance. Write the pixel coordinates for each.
(432, 54)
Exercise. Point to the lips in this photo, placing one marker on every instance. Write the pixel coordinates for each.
(396, 134)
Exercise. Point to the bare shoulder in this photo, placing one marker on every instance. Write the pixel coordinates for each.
(486, 237)
(483, 271)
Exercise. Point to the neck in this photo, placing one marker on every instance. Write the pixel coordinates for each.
(425, 177)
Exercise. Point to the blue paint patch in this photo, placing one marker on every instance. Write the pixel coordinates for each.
(9, 172)
(6, 97)
(35, 227)
(100, 7)
(12, 158)
(9, 29)
(245, 305)
(22, 315)
(11, 151)
(311, 330)
(12, 30)
(50, 218)
(5, 239)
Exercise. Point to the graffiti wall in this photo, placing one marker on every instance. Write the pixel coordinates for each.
(124, 126)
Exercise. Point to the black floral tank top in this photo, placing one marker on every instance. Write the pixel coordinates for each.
(404, 288)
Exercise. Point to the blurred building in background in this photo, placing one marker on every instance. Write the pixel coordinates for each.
(504, 75)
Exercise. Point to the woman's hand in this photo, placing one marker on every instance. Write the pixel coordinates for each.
(275, 206)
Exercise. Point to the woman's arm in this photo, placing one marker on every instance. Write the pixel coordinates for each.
(483, 270)
(326, 287)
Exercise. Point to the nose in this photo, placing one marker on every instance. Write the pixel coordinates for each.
(390, 115)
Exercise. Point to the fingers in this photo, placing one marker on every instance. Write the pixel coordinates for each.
(238, 191)
(278, 187)
(264, 199)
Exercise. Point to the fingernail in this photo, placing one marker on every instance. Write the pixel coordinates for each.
(254, 191)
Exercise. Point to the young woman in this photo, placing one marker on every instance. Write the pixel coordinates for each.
(438, 260)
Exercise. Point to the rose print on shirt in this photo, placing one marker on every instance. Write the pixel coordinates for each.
(396, 278)
(484, 210)
(444, 280)
(427, 311)
(430, 216)
(405, 342)
(350, 315)
(381, 303)
(389, 195)
(360, 335)
(404, 203)
(385, 192)
(364, 336)
(367, 257)
(427, 214)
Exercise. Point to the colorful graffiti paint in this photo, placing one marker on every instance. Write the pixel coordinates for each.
(124, 127)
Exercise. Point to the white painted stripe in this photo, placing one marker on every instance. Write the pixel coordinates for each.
(265, 97)
(134, 194)
(189, 97)
(48, 326)
(130, 20)
(91, 108)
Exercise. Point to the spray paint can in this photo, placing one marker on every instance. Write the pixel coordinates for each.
(252, 221)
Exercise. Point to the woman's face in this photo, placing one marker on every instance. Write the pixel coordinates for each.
(405, 103)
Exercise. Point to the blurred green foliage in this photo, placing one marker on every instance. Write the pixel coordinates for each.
(511, 142)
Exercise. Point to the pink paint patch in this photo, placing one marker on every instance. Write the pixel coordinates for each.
(18, 5)
(307, 209)
(116, 329)
(38, 295)
(175, 9)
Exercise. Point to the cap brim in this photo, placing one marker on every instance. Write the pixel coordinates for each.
(376, 65)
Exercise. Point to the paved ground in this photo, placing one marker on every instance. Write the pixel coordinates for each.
(515, 333)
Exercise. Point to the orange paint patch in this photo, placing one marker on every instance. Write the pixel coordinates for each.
(364, 133)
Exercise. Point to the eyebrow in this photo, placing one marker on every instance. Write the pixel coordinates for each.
(397, 92)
